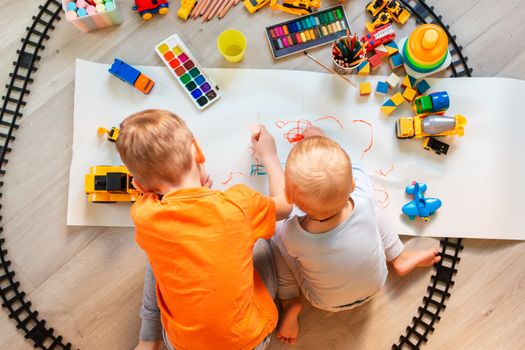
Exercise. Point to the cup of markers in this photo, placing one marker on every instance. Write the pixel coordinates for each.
(347, 53)
(82, 8)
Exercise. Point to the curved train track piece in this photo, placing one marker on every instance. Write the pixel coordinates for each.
(15, 301)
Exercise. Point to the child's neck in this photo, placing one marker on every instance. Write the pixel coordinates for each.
(191, 180)
(327, 224)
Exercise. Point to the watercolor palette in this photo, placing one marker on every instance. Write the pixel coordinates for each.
(308, 31)
(185, 68)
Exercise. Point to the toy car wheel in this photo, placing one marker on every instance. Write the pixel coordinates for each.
(147, 16)
(163, 10)
(411, 217)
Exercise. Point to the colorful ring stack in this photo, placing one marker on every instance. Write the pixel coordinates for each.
(426, 48)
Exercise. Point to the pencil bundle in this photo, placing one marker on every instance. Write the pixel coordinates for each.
(348, 51)
(208, 9)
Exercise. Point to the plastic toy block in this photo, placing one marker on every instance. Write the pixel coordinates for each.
(397, 99)
(363, 68)
(422, 86)
(381, 50)
(387, 110)
(365, 89)
(409, 94)
(392, 80)
(408, 81)
(381, 88)
(391, 48)
(396, 61)
(375, 61)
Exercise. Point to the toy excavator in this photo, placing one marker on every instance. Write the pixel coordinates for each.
(386, 11)
(296, 7)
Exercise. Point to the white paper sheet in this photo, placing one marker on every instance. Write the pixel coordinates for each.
(480, 180)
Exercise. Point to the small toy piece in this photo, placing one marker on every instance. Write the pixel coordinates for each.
(147, 8)
(132, 76)
(110, 184)
(112, 134)
(255, 5)
(422, 87)
(381, 19)
(380, 36)
(390, 105)
(435, 102)
(409, 94)
(391, 48)
(392, 80)
(420, 206)
(381, 88)
(365, 88)
(363, 68)
(296, 7)
(185, 8)
(408, 81)
(396, 61)
(430, 143)
(430, 125)
(375, 61)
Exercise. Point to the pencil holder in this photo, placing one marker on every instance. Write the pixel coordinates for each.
(89, 15)
(341, 67)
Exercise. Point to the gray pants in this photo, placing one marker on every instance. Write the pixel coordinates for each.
(151, 327)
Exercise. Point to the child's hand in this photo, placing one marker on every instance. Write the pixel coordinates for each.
(264, 143)
(313, 131)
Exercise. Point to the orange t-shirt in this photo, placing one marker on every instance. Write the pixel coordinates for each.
(199, 243)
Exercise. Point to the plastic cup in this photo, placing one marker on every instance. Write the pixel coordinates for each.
(232, 45)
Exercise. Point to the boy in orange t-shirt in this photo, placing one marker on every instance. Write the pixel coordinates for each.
(200, 242)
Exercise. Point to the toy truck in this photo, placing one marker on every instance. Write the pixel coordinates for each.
(147, 8)
(112, 134)
(109, 184)
(296, 7)
(376, 6)
(384, 12)
(255, 5)
(430, 125)
(132, 76)
(381, 35)
(435, 102)
(398, 12)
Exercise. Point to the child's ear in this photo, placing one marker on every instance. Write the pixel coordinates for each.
(139, 186)
(199, 155)
(287, 195)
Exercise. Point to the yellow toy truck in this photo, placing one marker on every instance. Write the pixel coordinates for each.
(109, 184)
(296, 7)
(424, 125)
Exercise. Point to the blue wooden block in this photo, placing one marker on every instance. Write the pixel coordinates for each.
(396, 61)
(422, 86)
(381, 88)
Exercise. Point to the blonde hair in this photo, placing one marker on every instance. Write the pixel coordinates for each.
(156, 146)
(318, 177)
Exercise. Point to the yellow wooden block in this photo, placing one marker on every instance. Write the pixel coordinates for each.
(363, 68)
(397, 99)
(365, 89)
(409, 94)
(387, 110)
(406, 82)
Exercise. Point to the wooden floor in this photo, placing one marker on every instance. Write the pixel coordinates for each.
(86, 281)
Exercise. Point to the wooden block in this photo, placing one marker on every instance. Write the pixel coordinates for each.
(375, 61)
(381, 50)
(392, 80)
(409, 94)
(387, 110)
(381, 88)
(365, 88)
(397, 99)
(422, 86)
(391, 48)
(363, 68)
(408, 81)
(396, 61)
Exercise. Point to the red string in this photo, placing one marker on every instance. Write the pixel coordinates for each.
(380, 172)
(296, 133)
(386, 201)
(371, 135)
(230, 177)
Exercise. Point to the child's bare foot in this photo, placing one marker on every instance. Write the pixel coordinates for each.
(409, 260)
(150, 345)
(289, 325)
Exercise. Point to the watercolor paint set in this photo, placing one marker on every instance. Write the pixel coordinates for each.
(190, 75)
(308, 31)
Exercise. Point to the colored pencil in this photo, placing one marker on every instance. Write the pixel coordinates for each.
(236, 2)
(197, 8)
(328, 68)
(223, 6)
(213, 12)
(226, 9)
(205, 7)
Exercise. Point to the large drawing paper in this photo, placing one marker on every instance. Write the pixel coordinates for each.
(480, 180)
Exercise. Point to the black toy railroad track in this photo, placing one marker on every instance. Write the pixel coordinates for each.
(14, 300)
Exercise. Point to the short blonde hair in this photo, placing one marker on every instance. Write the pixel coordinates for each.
(318, 177)
(156, 147)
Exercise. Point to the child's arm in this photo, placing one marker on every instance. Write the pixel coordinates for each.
(266, 150)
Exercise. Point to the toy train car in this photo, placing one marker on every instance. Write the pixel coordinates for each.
(132, 76)
(109, 184)
(147, 8)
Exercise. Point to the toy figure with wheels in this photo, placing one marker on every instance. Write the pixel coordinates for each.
(420, 206)
(147, 8)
